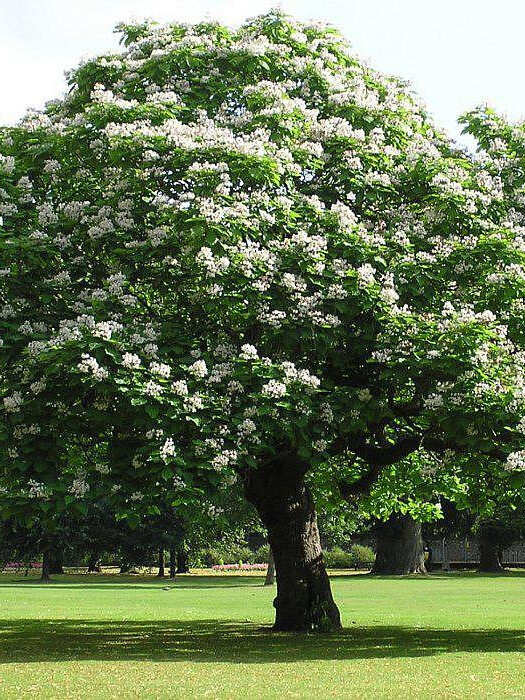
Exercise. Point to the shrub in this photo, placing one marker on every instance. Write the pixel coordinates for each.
(362, 554)
(337, 558)
(359, 555)
(222, 554)
(261, 555)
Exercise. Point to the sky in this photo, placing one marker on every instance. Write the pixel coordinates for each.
(456, 54)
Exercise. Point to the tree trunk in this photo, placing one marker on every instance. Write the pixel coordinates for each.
(56, 561)
(284, 503)
(489, 555)
(45, 575)
(173, 561)
(400, 548)
(161, 563)
(270, 572)
(124, 568)
(183, 562)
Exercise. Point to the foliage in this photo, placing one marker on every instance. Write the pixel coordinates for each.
(362, 554)
(228, 553)
(262, 555)
(337, 558)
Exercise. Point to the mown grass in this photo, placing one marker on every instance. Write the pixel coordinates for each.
(444, 636)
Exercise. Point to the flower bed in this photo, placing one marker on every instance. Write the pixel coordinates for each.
(240, 567)
(21, 565)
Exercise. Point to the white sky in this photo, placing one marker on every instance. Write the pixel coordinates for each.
(456, 53)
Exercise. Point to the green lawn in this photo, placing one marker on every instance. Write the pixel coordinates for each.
(441, 636)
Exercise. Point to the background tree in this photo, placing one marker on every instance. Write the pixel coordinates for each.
(393, 508)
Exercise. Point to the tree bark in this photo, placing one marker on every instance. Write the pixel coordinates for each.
(489, 555)
(56, 561)
(45, 575)
(284, 503)
(161, 563)
(270, 572)
(183, 562)
(400, 547)
(173, 561)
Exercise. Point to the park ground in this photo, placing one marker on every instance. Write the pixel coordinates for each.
(441, 636)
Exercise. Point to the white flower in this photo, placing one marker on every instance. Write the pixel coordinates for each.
(161, 369)
(320, 445)
(309, 380)
(79, 487)
(198, 369)
(130, 360)
(38, 386)
(434, 401)
(105, 329)
(274, 389)
(224, 459)
(515, 461)
(193, 403)
(89, 364)
(153, 389)
(365, 275)
(12, 403)
(521, 426)
(167, 450)
(180, 388)
(36, 489)
(246, 427)
(248, 352)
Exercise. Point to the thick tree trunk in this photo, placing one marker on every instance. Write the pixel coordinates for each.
(489, 555)
(161, 563)
(124, 568)
(45, 575)
(270, 572)
(284, 503)
(173, 561)
(56, 561)
(400, 548)
(183, 562)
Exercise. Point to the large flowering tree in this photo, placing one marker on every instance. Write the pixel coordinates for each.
(229, 255)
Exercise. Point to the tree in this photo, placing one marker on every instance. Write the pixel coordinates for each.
(230, 255)
(495, 511)
(394, 508)
(270, 573)
(400, 547)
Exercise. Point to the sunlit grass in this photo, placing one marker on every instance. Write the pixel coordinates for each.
(202, 636)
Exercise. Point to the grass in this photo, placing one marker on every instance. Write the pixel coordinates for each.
(442, 636)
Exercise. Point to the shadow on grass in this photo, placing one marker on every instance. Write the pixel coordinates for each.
(114, 581)
(72, 581)
(435, 575)
(23, 641)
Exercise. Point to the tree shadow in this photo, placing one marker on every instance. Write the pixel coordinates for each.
(126, 582)
(433, 575)
(73, 582)
(24, 641)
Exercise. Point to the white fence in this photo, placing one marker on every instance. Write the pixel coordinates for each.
(464, 551)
